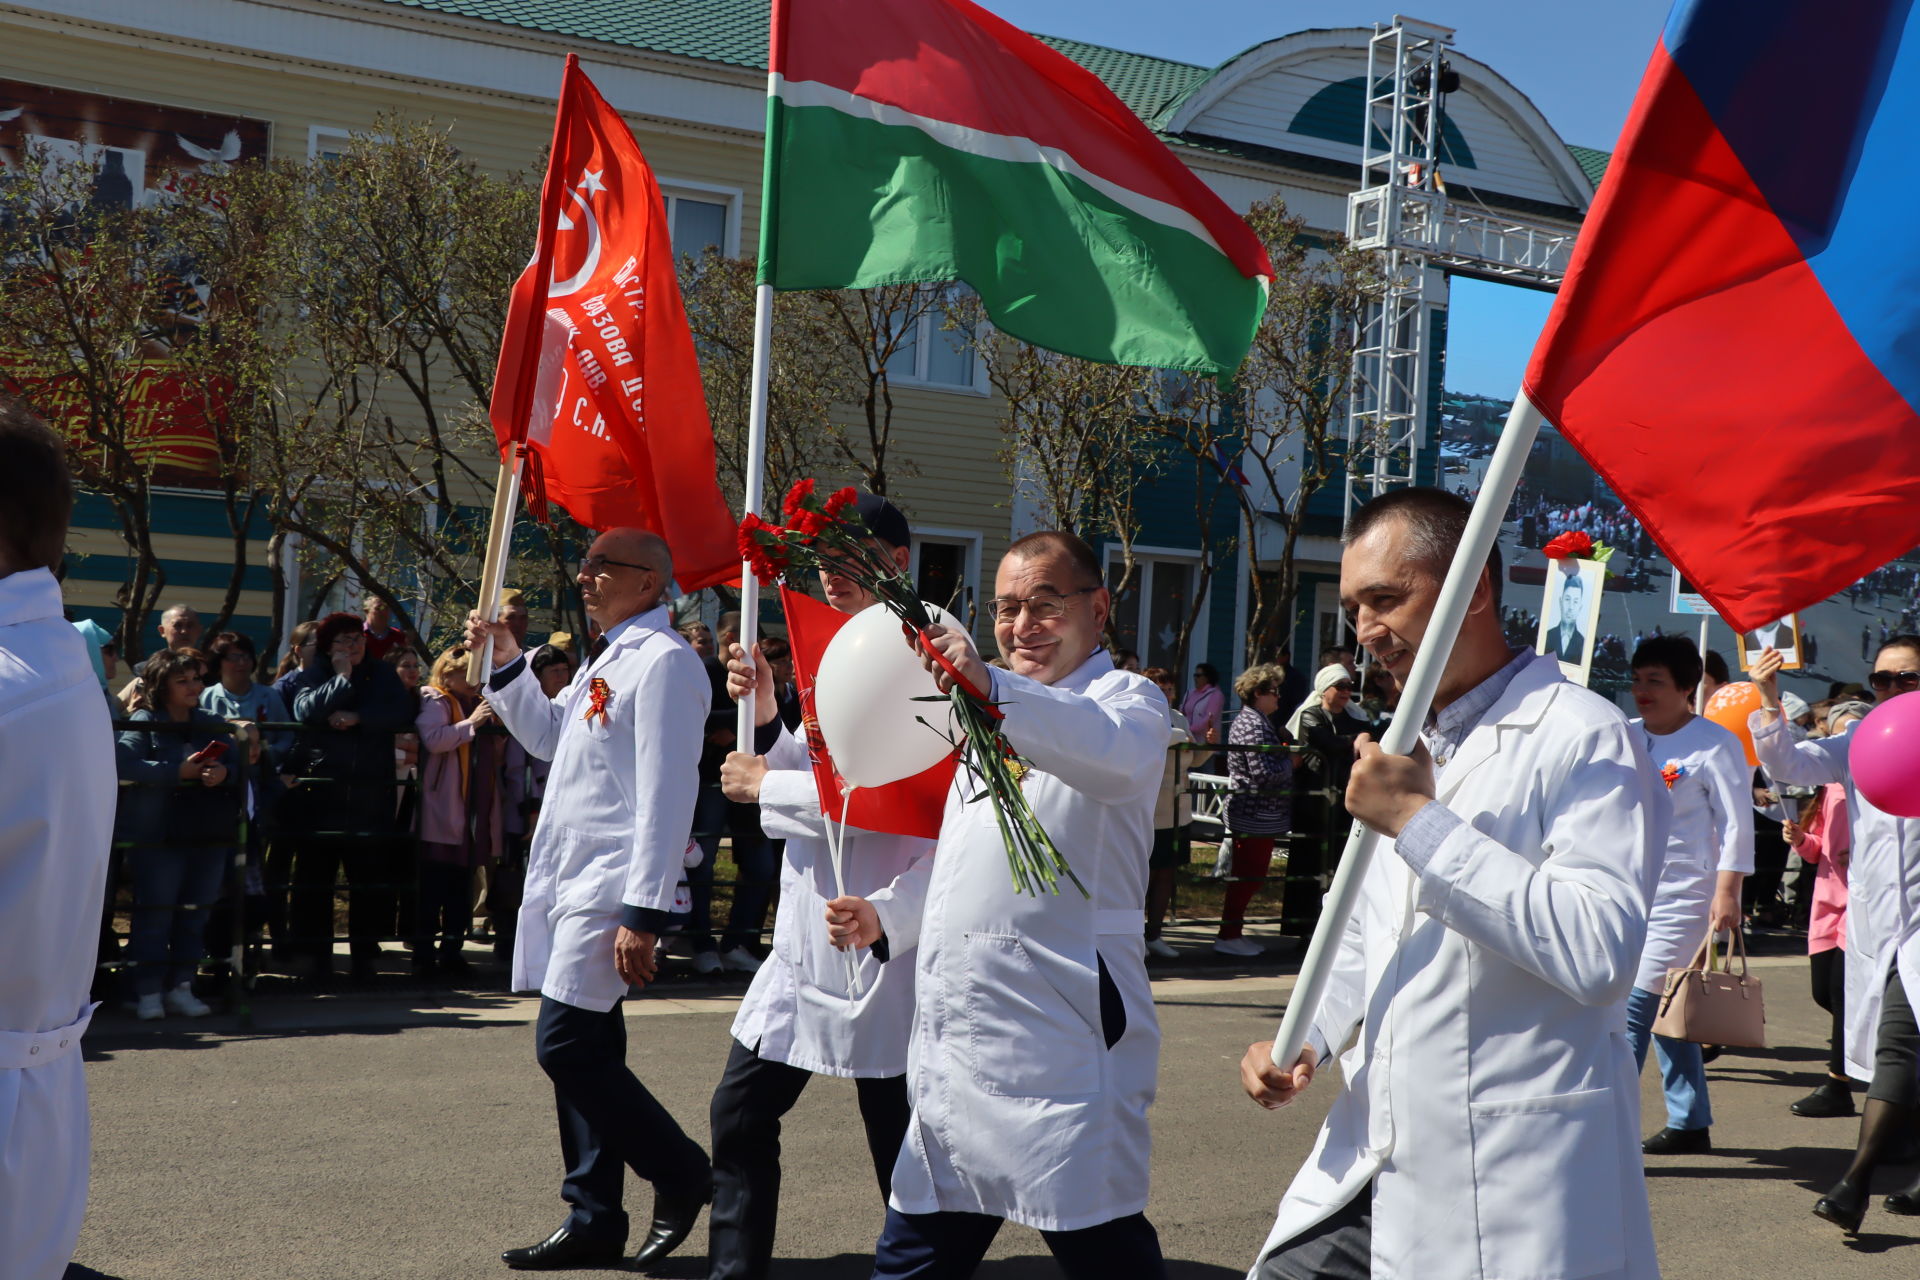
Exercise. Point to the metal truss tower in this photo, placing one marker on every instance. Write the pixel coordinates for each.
(1402, 211)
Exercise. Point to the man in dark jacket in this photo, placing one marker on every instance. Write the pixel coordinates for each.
(344, 813)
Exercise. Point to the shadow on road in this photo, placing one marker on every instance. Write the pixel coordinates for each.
(856, 1266)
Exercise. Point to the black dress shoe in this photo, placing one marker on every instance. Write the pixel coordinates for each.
(1678, 1142)
(1843, 1206)
(673, 1219)
(564, 1249)
(1905, 1203)
(1831, 1099)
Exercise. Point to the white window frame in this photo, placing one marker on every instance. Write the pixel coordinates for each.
(970, 539)
(318, 135)
(927, 331)
(1147, 557)
(672, 189)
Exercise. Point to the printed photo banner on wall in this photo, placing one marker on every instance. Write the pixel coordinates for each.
(138, 151)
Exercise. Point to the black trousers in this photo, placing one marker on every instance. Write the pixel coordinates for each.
(752, 1098)
(609, 1123)
(1340, 1248)
(317, 865)
(1829, 972)
(949, 1246)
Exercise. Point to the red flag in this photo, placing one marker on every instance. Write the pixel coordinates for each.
(608, 396)
(910, 807)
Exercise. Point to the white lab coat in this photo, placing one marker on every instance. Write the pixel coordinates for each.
(1883, 881)
(800, 1009)
(618, 808)
(1491, 1098)
(1710, 830)
(56, 823)
(1020, 1108)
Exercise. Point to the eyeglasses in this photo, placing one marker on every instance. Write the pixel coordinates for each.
(596, 566)
(236, 655)
(1345, 686)
(1907, 681)
(1043, 606)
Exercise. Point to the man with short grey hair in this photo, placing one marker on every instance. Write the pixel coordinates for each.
(607, 858)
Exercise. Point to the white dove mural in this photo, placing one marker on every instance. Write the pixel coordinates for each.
(226, 153)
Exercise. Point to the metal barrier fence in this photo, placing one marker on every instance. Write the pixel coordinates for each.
(289, 837)
(1304, 857)
(294, 845)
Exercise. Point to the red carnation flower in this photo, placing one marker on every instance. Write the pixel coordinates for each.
(761, 548)
(1571, 545)
(797, 497)
(840, 500)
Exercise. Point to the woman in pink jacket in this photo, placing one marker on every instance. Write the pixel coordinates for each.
(460, 808)
(1821, 837)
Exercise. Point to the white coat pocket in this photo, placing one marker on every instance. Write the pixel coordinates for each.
(1570, 1221)
(1024, 1038)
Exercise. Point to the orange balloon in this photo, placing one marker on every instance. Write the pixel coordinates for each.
(1729, 708)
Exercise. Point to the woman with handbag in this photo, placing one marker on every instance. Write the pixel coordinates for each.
(1709, 853)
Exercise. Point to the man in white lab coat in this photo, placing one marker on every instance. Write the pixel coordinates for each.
(1035, 1045)
(624, 738)
(56, 823)
(800, 1017)
(1486, 1125)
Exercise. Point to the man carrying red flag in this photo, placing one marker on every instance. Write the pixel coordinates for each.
(801, 1017)
(599, 379)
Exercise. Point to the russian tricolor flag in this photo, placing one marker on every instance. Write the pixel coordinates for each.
(1737, 345)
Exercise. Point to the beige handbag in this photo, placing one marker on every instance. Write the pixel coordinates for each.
(1713, 1006)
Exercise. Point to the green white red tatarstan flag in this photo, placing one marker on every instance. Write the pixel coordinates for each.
(928, 140)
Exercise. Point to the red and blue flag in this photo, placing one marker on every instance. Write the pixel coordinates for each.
(1736, 348)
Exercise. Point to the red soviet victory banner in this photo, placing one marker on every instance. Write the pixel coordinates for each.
(910, 807)
(617, 423)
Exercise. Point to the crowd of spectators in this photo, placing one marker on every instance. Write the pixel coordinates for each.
(362, 762)
(366, 762)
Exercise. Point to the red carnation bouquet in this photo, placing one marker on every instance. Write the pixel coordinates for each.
(820, 535)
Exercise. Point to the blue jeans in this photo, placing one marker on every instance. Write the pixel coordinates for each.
(173, 888)
(1683, 1075)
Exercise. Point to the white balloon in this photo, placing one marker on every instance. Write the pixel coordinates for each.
(863, 695)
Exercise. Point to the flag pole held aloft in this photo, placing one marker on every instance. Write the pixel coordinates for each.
(1416, 700)
(506, 485)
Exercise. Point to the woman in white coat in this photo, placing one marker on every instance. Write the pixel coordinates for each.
(1035, 1045)
(1883, 930)
(1486, 1127)
(1709, 853)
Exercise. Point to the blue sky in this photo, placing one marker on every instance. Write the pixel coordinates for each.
(1579, 62)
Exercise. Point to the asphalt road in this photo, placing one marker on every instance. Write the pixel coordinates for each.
(355, 1139)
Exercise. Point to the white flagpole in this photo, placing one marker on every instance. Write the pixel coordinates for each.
(1443, 630)
(755, 495)
(493, 570)
(1700, 690)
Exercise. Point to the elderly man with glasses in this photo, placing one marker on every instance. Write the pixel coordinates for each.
(624, 739)
(1034, 1048)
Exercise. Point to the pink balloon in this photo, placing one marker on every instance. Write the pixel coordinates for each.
(1884, 756)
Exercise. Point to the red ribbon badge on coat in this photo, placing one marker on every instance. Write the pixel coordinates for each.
(601, 695)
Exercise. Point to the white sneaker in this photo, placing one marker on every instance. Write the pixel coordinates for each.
(148, 1009)
(182, 1001)
(740, 960)
(1155, 947)
(706, 962)
(1242, 948)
